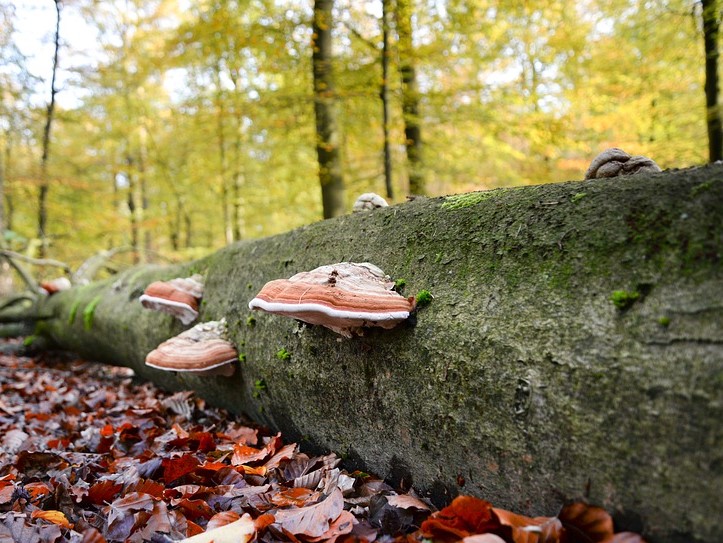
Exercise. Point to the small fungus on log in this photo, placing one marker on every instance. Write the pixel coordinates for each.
(178, 297)
(344, 297)
(369, 201)
(55, 285)
(614, 162)
(203, 350)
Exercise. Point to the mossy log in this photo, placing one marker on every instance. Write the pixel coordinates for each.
(572, 348)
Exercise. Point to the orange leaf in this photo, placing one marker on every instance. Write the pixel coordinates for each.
(465, 516)
(530, 530)
(56, 517)
(299, 496)
(192, 528)
(37, 490)
(593, 522)
(263, 521)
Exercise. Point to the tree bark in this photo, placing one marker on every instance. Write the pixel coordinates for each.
(573, 347)
(410, 98)
(386, 106)
(327, 129)
(44, 184)
(711, 25)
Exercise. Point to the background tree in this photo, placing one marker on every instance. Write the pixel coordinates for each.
(327, 144)
(44, 183)
(410, 97)
(711, 24)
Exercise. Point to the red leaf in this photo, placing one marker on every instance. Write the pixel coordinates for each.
(195, 509)
(312, 521)
(146, 486)
(465, 516)
(103, 491)
(202, 442)
(175, 468)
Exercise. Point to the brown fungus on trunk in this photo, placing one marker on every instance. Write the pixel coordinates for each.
(55, 285)
(614, 162)
(178, 297)
(368, 202)
(344, 297)
(203, 350)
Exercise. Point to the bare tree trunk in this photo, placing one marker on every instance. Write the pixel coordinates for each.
(44, 185)
(410, 98)
(221, 135)
(386, 53)
(237, 162)
(7, 200)
(133, 210)
(143, 187)
(327, 131)
(711, 25)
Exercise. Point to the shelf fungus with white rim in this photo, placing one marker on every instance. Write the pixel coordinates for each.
(178, 297)
(202, 350)
(344, 297)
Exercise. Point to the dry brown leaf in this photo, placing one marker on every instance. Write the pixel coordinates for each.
(314, 520)
(405, 501)
(222, 519)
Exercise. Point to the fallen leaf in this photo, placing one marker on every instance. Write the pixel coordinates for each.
(314, 520)
(222, 519)
(405, 501)
(53, 516)
(465, 516)
(240, 531)
(592, 522)
(483, 538)
(299, 497)
(343, 525)
(175, 468)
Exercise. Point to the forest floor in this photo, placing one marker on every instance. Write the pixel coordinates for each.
(89, 454)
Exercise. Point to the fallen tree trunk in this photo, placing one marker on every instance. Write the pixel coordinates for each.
(572, 348)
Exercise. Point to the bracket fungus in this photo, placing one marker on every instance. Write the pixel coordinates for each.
(55, 285)
(178, 297)
(203, 350)
(368, 201)
(614, 162)
(344, 297)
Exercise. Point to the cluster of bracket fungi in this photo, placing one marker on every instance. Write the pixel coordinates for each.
(345, 297)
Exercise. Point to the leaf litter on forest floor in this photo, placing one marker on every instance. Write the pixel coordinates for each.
(88, 455)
